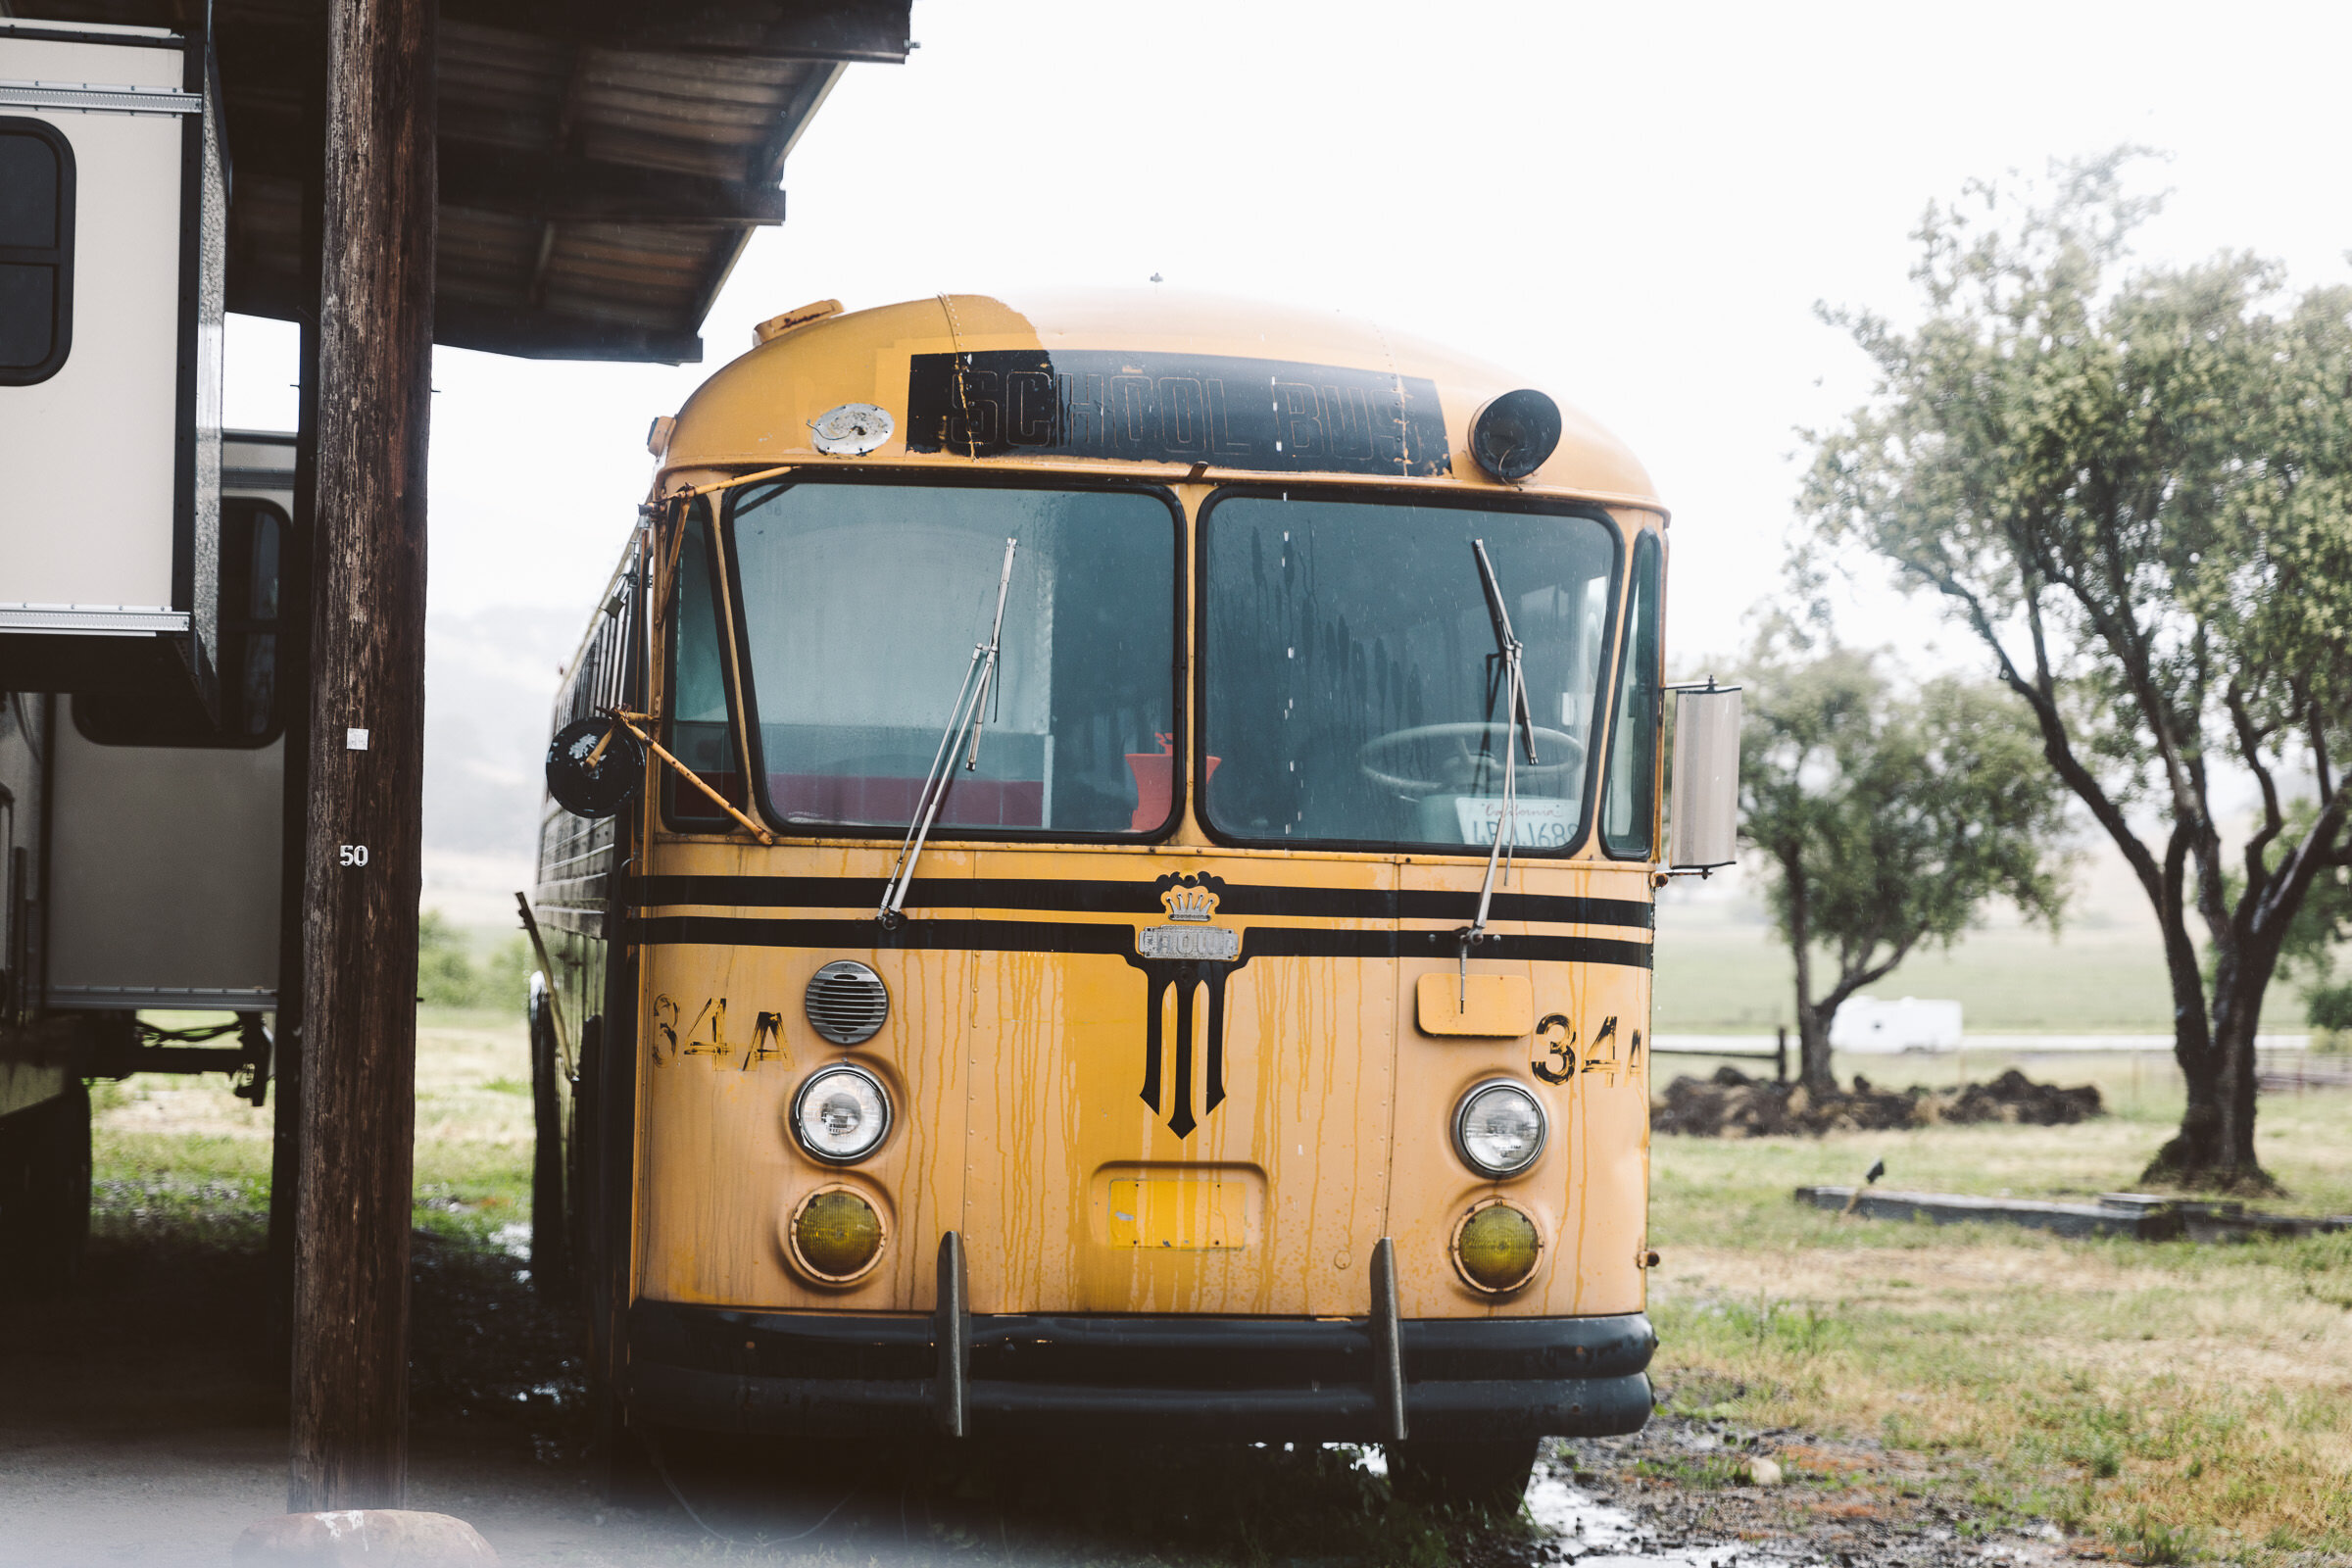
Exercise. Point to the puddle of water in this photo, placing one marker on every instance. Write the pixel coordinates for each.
(1594, 1535)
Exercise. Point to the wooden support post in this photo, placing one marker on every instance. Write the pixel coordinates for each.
(294, 568)
(367, 740)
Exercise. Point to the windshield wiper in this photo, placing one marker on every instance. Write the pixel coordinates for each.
(1507, 651)
(1512, 679)
(970, 714)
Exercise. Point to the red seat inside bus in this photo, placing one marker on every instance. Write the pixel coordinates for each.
(852, 798)
(834, 798)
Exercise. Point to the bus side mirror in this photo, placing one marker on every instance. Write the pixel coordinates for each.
(1703, 829)
(594, 766)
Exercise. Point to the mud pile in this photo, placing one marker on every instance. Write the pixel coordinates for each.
(2015, 1098)
(1732, 1105)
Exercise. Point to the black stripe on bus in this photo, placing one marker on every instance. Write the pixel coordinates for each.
(1130, 898)
(1044, 936)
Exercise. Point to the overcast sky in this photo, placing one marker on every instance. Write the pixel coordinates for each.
(1636, 207)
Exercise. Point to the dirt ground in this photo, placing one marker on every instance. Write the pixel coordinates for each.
(1688, 1484)
(141, 1421)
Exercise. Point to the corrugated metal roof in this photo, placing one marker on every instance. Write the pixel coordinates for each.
(602, 163)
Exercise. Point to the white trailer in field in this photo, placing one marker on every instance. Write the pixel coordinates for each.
(1886, 1026)
(145, 636)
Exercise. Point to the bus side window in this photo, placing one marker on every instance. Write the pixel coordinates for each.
(700, 729)
(1629, 807)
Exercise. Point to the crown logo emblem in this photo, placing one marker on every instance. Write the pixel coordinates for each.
(1191, 899)
(1187, 959)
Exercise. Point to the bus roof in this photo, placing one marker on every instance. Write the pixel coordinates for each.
(1156, 383)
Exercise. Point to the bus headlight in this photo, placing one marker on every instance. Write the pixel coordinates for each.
(840, 1115)
(1499, 1129)
(1497, 1247)
(835, 1235)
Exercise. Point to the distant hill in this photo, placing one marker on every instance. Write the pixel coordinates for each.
(489, 679)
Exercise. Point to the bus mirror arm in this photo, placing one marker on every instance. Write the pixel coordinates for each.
(629, 721)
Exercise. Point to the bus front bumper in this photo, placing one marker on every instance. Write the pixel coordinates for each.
(1267, 1378)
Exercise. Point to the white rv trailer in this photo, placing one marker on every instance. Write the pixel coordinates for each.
(144, 870)
(145, 641)
(113, 245)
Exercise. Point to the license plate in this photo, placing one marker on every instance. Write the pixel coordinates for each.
(1212, 1213)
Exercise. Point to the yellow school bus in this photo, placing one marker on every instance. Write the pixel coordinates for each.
(1099, 876)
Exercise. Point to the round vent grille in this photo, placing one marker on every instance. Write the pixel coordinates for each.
(847, 1003)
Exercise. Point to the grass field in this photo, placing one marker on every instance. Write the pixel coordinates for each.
(169, 1149)
(1720, 972)
(2174, 1403)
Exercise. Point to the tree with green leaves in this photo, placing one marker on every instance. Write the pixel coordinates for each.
(1885, 821)
(2316, 936)
(449, 973)
(2134, 487)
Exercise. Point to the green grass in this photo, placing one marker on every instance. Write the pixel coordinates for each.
(185, 1154)
(1720, 975)
(2178, 1403)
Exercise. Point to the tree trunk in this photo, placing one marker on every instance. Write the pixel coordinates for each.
(2215, 1146)
(1813, 1049)
(2241, 1168)
(1812, 1029)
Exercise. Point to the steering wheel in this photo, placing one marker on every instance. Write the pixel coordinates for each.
(1458, 763)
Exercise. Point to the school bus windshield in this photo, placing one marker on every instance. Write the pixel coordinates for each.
(861, 606)
(1353, 689)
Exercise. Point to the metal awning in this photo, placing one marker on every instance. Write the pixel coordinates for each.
(602, 163)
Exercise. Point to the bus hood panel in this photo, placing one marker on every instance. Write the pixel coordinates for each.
(1232, 1159)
